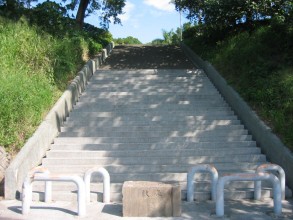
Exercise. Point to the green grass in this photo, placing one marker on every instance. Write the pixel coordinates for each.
(259, 66)
(35, 69)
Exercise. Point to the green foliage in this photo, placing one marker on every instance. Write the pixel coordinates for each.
(223, 14)
(35, 68)
(26, 80)
(127, 40)
(170, 38)
(258, 65)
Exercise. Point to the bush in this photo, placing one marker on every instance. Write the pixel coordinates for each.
(258, 65)
(36, 67)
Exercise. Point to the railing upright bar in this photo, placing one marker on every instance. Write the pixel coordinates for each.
(267, 168)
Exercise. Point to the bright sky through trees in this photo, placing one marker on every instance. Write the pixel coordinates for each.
(144, 19)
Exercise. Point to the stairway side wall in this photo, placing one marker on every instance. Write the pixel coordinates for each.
(35, 148)
(269, 143)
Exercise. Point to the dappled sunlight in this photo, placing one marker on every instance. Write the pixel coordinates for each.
(152, 125)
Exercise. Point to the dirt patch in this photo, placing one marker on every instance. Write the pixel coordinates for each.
(147, 57)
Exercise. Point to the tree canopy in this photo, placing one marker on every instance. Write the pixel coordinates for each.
(107, 10)
(227, 13)
(127, 40)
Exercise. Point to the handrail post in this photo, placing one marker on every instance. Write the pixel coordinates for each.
(267, 168)
(248, 177)
(106, 183)
(27, 190)
(190, 183)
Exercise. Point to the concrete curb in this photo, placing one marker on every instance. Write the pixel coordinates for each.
(35, 148)
(269, 143)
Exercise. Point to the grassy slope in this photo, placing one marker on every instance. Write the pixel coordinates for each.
(259, 66)
(35, 69)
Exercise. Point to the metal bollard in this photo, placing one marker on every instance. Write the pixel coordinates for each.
(106, 183)
(190, 183)
(266, 168)
(27, 190)
(248, 177)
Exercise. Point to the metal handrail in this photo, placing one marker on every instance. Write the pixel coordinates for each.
(106, 183)
(248, 177)
(46, 177)
(266, 168)
(201, 168)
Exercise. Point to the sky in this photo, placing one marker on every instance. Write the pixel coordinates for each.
(144, 20)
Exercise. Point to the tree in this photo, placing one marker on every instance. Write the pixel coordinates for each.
(127, 40)
(109, 9)
(230, 13)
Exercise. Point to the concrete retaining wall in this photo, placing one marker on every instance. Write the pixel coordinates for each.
(269, 143)
(35, 148)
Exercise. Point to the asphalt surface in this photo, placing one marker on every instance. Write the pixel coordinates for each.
(147, 57)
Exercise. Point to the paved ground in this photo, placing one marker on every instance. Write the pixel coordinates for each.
(234, 210)
(147, 57)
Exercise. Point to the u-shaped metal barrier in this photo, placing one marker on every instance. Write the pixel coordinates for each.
(248, 177)
(106, 183)
(190, 183)
(265, 168)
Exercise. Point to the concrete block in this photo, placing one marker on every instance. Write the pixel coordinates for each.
(151, 199)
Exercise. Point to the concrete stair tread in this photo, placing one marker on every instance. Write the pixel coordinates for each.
(216, 138)
(173, 123)
(182, 128)
(150, 153)
(179, 146)
(150, 134)
(149, 160)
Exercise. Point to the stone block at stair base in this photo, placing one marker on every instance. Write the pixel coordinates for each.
(151, 199)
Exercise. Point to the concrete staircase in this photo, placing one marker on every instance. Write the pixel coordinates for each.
(152, 125)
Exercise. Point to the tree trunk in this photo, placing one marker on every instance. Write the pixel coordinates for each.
(81, 13)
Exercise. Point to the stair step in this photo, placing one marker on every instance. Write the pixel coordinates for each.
(180, 128)
(164, 72)
(221, 167)
(150, 160)
(150, 153)
(155, 146)
(150, 134)
(221, 111)
(150, 140)
(232, 120)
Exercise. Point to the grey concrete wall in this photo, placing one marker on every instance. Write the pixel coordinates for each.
(269, 143)
(35, 148)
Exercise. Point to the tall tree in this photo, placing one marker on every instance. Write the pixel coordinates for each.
(108, 9)
(229, 13)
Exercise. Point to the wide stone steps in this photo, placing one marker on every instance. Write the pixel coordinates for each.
(179, 127)
(149, 153)
(152, 140)
(152, 125)
(161, 134)
(156, 146)
(191, 160)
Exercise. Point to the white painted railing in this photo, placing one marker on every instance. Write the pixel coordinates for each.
(106, 183)
(266, 168)
(190, 183)
(248, 177)
(41, 174)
